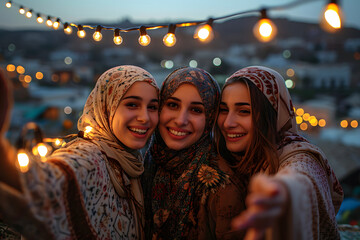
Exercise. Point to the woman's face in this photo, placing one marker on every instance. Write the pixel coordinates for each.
(235, 120)
(182, 118)
(137, 115)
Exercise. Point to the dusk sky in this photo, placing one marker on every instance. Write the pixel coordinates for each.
(144, 11)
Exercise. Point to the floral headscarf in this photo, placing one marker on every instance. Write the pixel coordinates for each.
(99, 113)
(185, 177)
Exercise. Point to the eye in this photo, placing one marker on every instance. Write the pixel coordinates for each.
(244, 111)
(223, 110)
(153, 107)
(197, 110)
(131, 105)
(172, 105)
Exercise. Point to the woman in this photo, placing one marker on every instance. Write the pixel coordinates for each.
(295, 194)
(181, 169)
(90, 189)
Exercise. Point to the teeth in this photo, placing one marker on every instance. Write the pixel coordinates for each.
(177, 133)
(235, 135)
(140, 131)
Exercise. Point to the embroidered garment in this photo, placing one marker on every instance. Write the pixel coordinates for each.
(90, 188)
(315, 192)
(178, 182)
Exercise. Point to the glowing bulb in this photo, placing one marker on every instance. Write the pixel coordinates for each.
(57, 142)
(56, 24)
(23, 161)
(299, 111)
(344, 124)
(21, 10)
(88, 129)
(322, 123)
(10, 67)
(144, 38)
(117, 38)
(204, 33)
(39, 75)
(299, 119)
(67, 29)
(169, 39)
(8, 4)
(49, 23)
(303, 126)
(264, 30)
(332, 15)
(39, 19)
(354, 124)
(97, 36)
(81, 32)
(29, 14)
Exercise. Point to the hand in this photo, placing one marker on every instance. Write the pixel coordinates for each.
(266, 202)
(5, 103)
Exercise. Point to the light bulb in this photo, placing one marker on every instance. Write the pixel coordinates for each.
(67, 29)
(144, 38)
(56, 24)
(97, 36)
(39, 19)
(169, 39)
(21, 10)
(29, 14)
(81, 32)
(8, 4)
(204, 33)
(88, 129)
(49, 23)
(23, 160)
(264, 30)
(117, 38)
(331, 17)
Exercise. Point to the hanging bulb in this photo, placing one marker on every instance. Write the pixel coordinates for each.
(21, 10)
(29, 14)
(264, 30)
(39, 19)
(81, 32)
(117, 38)
(205, 32)
(169, 39)
(23, 160)
(97, 36)
(56, 24)
(8, 4)
(331, 17)
(42, 150)
(144, 38)
(67, 28)
(49, 23)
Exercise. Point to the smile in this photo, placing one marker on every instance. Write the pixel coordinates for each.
(139, 131)
(233, 135)
(178, 133)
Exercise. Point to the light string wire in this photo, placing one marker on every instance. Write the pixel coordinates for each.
(293, 4)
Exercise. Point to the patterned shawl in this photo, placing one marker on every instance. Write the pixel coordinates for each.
(272, 85)
(184, 178)
(99, 113)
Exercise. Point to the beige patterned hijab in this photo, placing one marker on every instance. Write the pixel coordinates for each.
(99, 113)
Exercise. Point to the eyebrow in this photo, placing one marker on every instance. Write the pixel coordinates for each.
(237, 104)
(140, 98)
(178, 100)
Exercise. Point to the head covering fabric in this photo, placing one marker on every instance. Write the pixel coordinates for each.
(185, 177)
(98, 113)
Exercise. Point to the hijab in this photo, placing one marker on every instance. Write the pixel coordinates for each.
(272, 85)
(184, 178)
(98, 113)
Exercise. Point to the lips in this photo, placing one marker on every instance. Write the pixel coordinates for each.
(178, 133)
(139, 132)
(233, 137)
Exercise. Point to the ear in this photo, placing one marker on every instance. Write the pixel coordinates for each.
(5, 103)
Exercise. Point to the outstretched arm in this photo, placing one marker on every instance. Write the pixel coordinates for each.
(8, 172)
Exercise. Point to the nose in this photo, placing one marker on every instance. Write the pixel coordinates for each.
(229, 121)
(182, 118)
(143, 115)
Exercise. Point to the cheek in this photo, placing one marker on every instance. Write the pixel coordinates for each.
(164, 116)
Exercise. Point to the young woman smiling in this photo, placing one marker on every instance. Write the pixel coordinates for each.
(181, 168)
(90, 189)
(293, 192)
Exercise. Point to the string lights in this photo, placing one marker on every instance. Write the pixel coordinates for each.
(264, 30)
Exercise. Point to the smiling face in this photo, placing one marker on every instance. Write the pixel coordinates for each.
(137, 115)
(182, 118)
(235, 117)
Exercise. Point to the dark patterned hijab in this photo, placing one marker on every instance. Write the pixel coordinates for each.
(184, 178)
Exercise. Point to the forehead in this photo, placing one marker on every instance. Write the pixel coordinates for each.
(236, 92)
(141, 88)
(187, 91)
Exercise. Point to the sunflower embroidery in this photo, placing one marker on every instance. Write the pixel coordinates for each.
(208, 176)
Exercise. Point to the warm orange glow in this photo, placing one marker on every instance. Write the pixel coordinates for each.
(56, 25)
(204, 33)
(67, 29)
(10, 67)
(144, 40)
(322, 123)
(97, 36)
(290, 72)
(313, 122)
(39, 19)
(344, 124)
(49, 23)
(354, 124)
(299, 111)
(27, 79)
(21, 10)
(303, 126)
(39, 75)
(20, 69)
(28, 14)
(169, 39)
(118, 40)
(23, 161)
(81, 33)
(332, 15)
(8, 4)
(299, 119)
(265, 30)
(306, 116)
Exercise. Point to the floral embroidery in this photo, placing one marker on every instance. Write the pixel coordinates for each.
(208, 176)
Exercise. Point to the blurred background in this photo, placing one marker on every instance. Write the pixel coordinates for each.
(53, 72)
